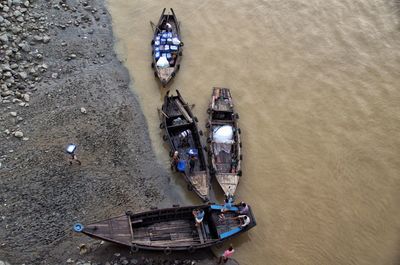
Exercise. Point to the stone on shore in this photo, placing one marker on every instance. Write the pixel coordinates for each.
(18, 134)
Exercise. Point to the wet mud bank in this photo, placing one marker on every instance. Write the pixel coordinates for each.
(61, 82)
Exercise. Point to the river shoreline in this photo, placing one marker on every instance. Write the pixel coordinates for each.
(62, 82)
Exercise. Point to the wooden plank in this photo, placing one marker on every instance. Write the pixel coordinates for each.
(200, 233)
(183, 110)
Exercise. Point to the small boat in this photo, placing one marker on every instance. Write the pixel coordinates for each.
(169, 229)
(183, 136)
(224, 143)
(166, 43)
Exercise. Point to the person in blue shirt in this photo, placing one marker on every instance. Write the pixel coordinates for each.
(227, 204)
(198, 216)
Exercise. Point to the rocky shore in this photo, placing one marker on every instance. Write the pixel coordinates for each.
(60, 83)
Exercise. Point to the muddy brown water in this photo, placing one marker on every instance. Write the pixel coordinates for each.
(316, 84)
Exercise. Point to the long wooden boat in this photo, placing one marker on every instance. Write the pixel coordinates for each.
(166, 43)
(182, 133)
(224, 143)
(169, 229)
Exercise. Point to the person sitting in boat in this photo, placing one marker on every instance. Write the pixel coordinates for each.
(243, 208)
(227, 204)
(192, 163)
(184, 137)
(169, 27)
(234, 165)
(243, 219)
(175, 160)
(198, 216)
(173, 59)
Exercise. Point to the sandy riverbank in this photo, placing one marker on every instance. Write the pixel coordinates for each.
(61, 82)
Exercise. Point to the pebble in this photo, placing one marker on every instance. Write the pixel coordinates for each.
(23, 75)
(4, 38)
(26, 97)
(18, 134)
(46, 39)
(13, 113)
(83, 110)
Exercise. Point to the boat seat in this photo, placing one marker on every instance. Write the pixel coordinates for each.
(230, 232)
(219, 207)
(178, 125)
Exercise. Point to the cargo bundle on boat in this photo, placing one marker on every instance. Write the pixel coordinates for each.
(224, 143)
(167, 47)
(184, 138)
(171, 229)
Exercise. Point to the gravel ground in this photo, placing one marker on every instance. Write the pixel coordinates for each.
(61, 82)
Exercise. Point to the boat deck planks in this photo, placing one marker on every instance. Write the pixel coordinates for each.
(117, 229)
(182, 232)
(200, 182)
(165, 72)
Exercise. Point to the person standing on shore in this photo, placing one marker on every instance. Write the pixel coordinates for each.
(71, 150)
(227, 254)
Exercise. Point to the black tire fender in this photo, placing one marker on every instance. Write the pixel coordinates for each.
(162, 125)
(165, 137)
(191, 249)
(134, 248)
(128, 213)
(167, 251)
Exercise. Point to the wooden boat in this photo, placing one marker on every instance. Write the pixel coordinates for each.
(164, 43)
(225, 153)
(183, 136)
(169, 229)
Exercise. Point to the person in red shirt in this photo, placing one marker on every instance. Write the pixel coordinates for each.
(227, 254)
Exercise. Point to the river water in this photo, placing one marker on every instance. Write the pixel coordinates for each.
(316, 84)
